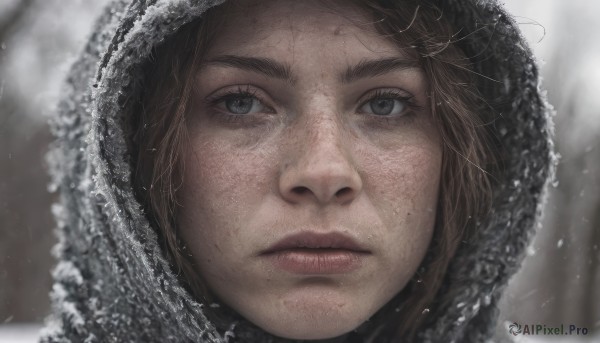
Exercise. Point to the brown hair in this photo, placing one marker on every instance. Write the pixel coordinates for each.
(159, 141)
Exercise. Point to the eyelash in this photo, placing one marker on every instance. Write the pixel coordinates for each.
(391, 94)
(242, 91)
(408, 100)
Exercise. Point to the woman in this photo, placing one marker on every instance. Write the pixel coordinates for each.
(263, 171)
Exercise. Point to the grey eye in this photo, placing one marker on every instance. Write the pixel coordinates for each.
(241, 104)
(384, 107)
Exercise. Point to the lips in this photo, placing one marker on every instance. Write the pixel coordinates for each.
(310, 253)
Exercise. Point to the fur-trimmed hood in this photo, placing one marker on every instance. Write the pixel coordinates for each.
(112, 281)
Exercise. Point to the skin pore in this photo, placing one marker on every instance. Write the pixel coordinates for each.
(308, 121)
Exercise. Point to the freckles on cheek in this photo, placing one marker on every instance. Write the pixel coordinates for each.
(405, 181)
(222, 180)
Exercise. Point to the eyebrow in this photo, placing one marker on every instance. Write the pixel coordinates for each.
(372, 68)
(265, 66)
(274, 69)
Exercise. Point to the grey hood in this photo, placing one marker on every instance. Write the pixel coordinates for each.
(112, 281)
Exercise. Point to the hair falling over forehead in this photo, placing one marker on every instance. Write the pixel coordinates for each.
(469, 164)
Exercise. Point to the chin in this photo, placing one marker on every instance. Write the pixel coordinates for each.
(311, 319)
(311, 330)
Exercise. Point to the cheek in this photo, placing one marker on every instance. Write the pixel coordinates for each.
(218, 177)
(404, 182)
(403, 186)
(221, 186)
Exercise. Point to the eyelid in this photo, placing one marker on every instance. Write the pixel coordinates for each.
(378, 92)
(390, 93)
(222, 94)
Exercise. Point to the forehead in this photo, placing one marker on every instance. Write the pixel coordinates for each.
(282, 26)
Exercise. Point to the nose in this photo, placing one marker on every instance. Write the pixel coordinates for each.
(319, 166)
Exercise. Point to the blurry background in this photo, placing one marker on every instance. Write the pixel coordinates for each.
(558, 284)
(39, 39)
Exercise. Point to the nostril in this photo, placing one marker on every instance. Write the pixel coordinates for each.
(343, 192)
(342, 195)
(300, 190)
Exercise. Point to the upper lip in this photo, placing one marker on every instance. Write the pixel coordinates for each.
(314, 240)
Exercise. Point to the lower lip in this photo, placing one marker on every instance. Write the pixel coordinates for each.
(317, 261)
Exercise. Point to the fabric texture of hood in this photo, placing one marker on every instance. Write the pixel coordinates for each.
(112, 281)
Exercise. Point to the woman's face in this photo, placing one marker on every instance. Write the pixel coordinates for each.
(310, 191)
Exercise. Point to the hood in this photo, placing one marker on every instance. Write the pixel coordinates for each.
(112, 281)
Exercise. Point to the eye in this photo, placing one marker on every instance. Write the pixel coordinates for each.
(241, 104)
(384, 107)
(243, 100)
(386, 103)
